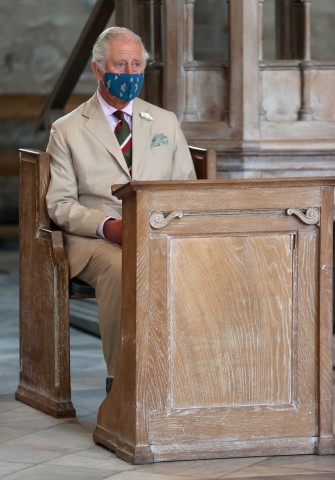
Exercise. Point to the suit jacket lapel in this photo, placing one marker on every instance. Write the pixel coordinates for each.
(98, 126)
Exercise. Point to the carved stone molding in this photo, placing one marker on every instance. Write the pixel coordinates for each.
(311, 215)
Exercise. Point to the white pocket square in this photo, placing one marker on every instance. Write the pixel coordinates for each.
(146, 115)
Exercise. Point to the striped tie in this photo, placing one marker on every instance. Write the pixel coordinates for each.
(123, 134)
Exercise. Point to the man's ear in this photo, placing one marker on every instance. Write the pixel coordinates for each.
(96, 67)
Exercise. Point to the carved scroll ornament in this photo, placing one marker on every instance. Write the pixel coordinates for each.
(157, 219)
(311, 215)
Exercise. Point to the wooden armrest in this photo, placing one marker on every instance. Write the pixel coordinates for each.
(205, 162)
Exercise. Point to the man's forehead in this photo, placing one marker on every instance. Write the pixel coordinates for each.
(124, 47)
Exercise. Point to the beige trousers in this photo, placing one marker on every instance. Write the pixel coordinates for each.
(104, 273)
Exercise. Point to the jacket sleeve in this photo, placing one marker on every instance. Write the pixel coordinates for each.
(62, 197)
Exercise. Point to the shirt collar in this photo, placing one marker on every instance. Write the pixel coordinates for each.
(109, 110)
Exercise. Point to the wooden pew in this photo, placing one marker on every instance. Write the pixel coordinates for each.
(45, 289)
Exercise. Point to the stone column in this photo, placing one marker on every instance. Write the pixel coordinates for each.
(190, 112)
(306, 111)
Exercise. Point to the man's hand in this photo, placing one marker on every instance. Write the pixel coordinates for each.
(113, 231)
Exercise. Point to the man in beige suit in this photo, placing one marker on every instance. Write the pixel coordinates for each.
(87, 158)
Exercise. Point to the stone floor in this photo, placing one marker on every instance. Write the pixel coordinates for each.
(34, 446)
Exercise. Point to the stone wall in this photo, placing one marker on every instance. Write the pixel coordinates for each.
(37, 37)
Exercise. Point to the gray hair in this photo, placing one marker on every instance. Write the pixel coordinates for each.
(100, 48)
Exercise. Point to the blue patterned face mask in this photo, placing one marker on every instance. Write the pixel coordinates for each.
(125, 86)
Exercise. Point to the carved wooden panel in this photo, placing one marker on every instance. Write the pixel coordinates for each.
(237, 311)
(231, 297)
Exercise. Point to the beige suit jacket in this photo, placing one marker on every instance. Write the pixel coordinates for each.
(86, 160)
